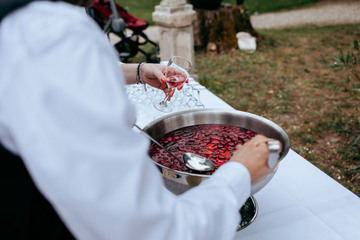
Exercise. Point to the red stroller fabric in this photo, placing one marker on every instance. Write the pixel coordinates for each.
(131, 42)
(103, 8)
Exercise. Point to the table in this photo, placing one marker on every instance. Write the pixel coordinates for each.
(300, 202)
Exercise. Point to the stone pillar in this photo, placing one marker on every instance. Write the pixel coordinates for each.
(174, 19)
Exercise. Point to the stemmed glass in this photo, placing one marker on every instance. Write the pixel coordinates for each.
(176, 74)
(198, 88)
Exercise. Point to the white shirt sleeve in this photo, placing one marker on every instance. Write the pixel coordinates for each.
(65, 112)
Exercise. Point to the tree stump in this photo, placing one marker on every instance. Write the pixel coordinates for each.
(215, 30)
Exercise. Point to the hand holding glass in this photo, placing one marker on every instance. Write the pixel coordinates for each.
(176, 75)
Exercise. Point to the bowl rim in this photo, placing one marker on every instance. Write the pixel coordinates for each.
(217, 110)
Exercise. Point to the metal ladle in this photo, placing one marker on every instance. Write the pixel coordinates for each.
(191, 160)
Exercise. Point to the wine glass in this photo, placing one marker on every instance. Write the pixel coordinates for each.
(197, 88)
(176, 75)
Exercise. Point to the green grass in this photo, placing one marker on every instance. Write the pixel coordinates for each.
(144, 8)
(261, 6)
(140, 8)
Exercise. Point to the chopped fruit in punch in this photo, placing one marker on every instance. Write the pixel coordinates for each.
(213, 141)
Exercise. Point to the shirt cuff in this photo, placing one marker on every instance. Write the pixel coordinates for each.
(238, 178)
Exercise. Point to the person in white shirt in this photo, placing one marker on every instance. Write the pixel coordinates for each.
(65, 112)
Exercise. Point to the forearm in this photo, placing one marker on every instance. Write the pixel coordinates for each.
(130, 71)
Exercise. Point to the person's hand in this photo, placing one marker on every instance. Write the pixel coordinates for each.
(172, 71)
(154, 75)
(254, 156)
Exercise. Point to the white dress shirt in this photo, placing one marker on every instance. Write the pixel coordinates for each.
(64, 110)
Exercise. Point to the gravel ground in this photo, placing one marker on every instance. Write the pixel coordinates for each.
(321, 14)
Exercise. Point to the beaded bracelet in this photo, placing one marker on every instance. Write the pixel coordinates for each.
(139, 76)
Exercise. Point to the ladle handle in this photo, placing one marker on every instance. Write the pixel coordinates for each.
(274, 153)
(157, 143)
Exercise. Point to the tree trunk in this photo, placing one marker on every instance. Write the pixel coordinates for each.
(215, 30)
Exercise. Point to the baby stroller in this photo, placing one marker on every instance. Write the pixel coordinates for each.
(127, 29)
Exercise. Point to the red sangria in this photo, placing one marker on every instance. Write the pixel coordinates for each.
(175, 81)
(213, 141)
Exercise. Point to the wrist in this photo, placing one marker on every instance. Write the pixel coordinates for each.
(139, 77)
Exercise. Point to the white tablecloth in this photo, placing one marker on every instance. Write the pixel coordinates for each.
(300, 202)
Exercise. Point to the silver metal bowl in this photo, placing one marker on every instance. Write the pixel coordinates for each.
(248, 213)
(179, 182)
